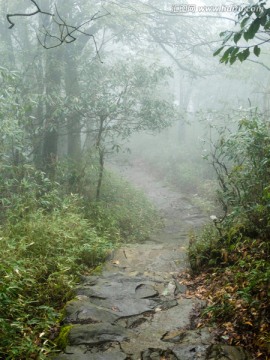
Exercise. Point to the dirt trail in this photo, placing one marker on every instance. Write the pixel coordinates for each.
(136, 310)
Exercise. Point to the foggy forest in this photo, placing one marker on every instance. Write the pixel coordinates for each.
(135, 180)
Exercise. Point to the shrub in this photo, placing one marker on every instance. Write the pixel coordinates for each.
(235, 252)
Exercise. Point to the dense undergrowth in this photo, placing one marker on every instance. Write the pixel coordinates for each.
(231, 258)
(48, 237)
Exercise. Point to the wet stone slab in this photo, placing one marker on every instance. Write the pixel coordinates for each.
(83, 353)
(95, 334)
(85, 312)
(119, 287)
(127, 307)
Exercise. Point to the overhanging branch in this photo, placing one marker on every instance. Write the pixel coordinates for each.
(38, 11)
(66, 33)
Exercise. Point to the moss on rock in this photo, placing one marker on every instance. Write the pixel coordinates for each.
(62, 340)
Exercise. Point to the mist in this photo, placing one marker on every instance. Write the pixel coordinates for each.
(134, 182)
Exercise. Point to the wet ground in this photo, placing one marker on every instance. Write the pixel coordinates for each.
(136, 309)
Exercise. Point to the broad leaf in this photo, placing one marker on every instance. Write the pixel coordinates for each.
(246, 53)
(244, 22)
(254, 27)
(233, 59)
(237, 37)
(226, 54)
(218, 51)
(257, 50)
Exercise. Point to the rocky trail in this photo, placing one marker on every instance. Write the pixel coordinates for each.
(136, 309)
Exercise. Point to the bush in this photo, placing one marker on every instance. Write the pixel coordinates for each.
(234, 251)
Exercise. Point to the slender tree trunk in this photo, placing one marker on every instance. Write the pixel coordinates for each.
(7, 59)
(53, 71)
(101, 153)
(73, 121)
(101, 171)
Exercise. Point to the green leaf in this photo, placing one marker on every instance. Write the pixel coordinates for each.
(237, 37)
(246, 36)
(257, 50)
(226, 35)
(218, 51)
(226, 54)
(233, 59)
(267, 25)
(243, 22)
(235, 51)
(246, 53)
(240, 56)
(223, 33)
(263, 20)
(253, 29)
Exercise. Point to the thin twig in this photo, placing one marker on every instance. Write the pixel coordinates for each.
(38, 11)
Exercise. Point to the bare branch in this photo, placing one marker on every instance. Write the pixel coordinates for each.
(38, 11)
(260, 63)
(67, 33)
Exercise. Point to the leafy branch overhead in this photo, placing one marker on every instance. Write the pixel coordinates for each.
(254, 23)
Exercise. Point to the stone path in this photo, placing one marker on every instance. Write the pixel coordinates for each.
(136, 310)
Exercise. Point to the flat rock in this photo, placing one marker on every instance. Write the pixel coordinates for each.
(174, 336)
(119, 286)
(85, 312)
(190, 351)
(226, 352)
(157, 354)
(80, 353)
(95, 334)
(144, 291)
(126, 307)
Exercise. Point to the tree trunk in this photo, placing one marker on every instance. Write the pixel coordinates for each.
(101, 171)
(72, 90)
(101, 153)
(53, 71)
(8, 57)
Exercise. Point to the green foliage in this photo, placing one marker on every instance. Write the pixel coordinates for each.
(41, 255)
(235, 249)
(120, 100)
(25, 320)
(252, 19)
(47, 239)
(122, 211)
(13, 110)
(241, 161)
(204, 249)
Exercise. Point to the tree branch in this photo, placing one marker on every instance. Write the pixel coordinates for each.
(38, 11)
(67, 33)
(260, 63)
